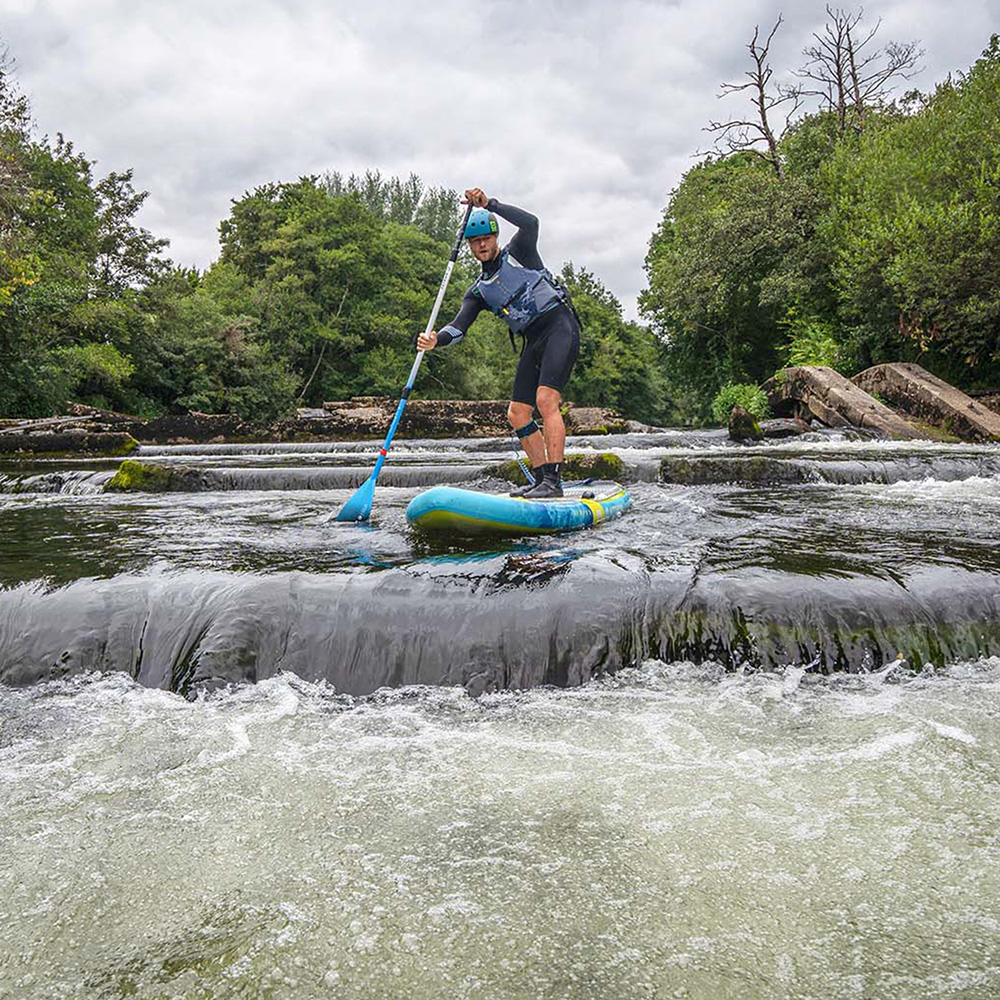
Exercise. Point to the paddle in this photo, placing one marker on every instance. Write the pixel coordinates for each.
(360, 504)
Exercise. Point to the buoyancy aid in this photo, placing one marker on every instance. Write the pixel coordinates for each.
(518, 295)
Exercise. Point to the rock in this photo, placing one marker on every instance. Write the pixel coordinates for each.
(925, 397)
(74, 439)
(604, 465)
(594, 420)
(195, 427)
(743, 426)
(756, 469)
(148, 477)
(783, 427)
(838, 402)
(991, 400)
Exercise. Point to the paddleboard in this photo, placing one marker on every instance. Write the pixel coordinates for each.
(451, 510)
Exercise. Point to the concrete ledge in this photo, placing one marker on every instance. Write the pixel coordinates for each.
(835, 400)
(925, 397)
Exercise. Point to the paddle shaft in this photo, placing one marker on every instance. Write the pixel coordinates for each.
(384, 450)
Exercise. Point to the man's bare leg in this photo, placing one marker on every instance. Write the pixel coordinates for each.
(549, 401)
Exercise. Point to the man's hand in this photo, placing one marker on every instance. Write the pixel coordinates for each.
(476, 196)
(427, 341)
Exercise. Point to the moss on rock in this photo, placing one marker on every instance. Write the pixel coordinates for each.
(140, 477)
(126, 447)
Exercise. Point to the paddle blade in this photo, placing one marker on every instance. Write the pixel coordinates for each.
(360, 504)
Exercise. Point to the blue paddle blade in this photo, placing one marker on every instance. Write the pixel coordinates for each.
(360, 505)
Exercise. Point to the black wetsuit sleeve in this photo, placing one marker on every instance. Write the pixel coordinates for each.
(524, 245)
(472, 305)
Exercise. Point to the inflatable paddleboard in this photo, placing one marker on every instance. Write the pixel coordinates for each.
(472, 512)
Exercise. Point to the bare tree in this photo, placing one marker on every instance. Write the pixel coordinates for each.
(746, 134)
(849, 77)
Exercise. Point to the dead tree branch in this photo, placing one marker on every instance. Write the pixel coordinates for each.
(769, 102)
(846, 75)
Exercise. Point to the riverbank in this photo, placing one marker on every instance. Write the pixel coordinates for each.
(92, 431)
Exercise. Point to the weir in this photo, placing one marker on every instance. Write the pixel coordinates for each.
(829, 551)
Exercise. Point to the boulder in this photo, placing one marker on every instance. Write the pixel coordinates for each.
(755, 469)
(149, 477)
(835, 400)
(925, 397)
(73, 439)
(743, 426)
(594, 420)
(783, 427)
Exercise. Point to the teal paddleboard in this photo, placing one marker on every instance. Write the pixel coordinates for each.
(450, 510)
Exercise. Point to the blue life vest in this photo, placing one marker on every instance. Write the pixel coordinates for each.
(518, 295)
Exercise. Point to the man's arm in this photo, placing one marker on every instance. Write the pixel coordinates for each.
(524, 245)
(472, 306)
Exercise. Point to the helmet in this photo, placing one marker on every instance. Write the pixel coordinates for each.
(481, 223)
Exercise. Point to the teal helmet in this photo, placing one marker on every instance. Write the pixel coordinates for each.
(481, 223)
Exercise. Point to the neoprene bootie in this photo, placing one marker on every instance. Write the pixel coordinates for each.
(537, 474)
(549, 486)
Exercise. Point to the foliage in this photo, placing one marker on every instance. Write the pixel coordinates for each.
(752, 398)
(732, 247)
(914, 229)
(872, 247)
(433, 211)
(811, 341)
(98, 372)
(619, 363)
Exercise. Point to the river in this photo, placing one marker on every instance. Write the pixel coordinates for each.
(741, 742)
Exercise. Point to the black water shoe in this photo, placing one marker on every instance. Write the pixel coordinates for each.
(536, 474)
(548, 487)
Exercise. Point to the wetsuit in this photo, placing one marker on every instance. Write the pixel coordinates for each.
(551, 341)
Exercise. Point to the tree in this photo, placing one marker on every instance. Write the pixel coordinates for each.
(619, 363)
(739, 134)
(914, 229)
(848, 79)
(732, 249)
(126, 254)
(433, 211)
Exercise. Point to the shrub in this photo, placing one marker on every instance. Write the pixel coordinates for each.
(750, 397)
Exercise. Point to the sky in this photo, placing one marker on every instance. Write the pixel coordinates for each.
(585, 112)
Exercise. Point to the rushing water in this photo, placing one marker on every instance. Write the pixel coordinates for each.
(669, 832)
(875, 551)
(739, 743)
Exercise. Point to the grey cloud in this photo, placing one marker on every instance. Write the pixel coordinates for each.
(587, 112)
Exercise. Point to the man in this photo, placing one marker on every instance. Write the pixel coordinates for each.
(515, 285)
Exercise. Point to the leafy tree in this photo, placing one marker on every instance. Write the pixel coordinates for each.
(914, 228)
(732, 248)
(619, 363)
(433, 211)
(127, 255)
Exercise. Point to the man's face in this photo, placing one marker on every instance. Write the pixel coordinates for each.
(484, 248)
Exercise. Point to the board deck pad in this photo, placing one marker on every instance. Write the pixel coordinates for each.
(449, 509)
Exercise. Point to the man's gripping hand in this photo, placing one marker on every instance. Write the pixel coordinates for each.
(476, 197)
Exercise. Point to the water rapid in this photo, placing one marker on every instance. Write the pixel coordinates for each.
(739, 743)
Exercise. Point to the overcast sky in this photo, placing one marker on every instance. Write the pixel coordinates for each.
(586, 112)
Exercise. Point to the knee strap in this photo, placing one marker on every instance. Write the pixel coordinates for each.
(527, 430)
